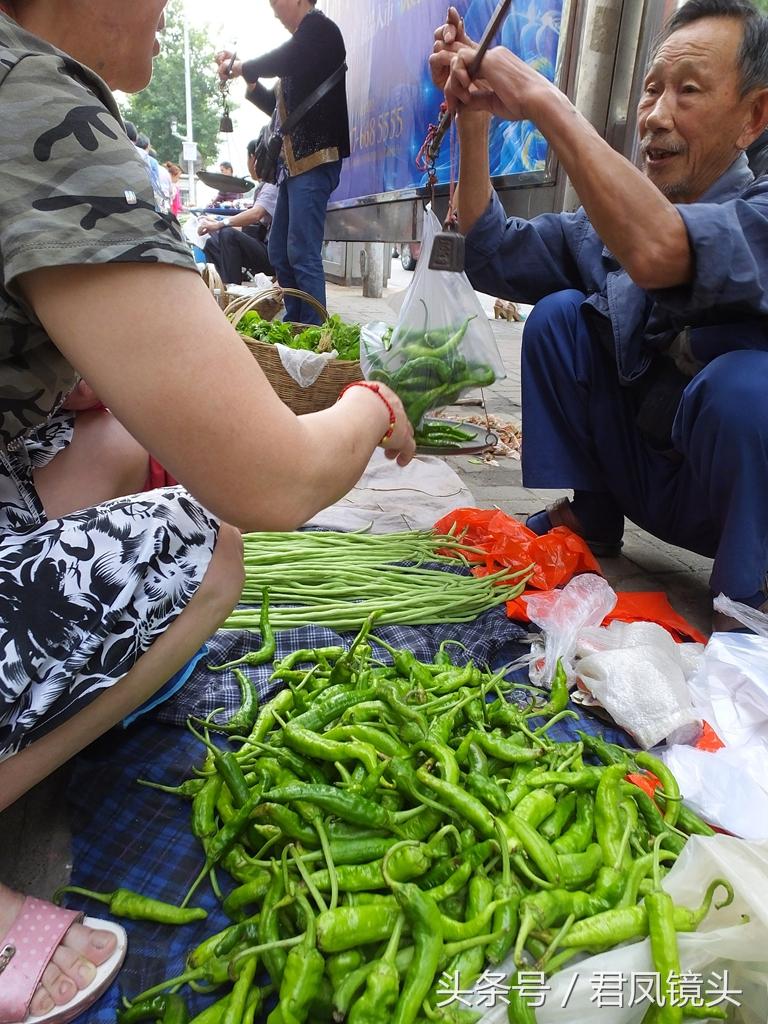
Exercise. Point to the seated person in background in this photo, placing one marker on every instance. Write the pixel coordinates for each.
(239, 243)
(224, 198)
(107, 593)
(645, 359)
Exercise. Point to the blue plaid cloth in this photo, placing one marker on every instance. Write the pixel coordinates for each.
(138, 838)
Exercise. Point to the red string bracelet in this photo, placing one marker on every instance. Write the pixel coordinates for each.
(373, 386)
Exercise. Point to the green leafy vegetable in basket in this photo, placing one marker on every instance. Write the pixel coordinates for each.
(333, 334)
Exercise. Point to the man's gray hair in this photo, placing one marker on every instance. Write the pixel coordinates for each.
(753, 52)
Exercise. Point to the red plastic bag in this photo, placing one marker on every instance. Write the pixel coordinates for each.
(653, 606)
(558, 555)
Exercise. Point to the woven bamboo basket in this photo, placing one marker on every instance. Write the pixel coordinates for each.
(215, 284)
(334, 377)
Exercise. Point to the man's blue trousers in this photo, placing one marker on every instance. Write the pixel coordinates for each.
(579, 432)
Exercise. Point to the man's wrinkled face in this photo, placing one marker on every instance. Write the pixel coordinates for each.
(692, 119)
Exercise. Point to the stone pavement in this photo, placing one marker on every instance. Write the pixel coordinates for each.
(645, 564)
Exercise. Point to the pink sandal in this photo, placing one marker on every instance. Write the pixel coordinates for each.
(26, 951)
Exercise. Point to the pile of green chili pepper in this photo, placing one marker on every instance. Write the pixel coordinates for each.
(389, 823)
(427, 368)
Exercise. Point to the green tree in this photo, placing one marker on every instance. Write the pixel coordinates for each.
(762, 5)
(163, 101)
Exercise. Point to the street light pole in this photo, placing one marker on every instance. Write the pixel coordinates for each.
(190, 135)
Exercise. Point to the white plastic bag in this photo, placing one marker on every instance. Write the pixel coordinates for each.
(730, 691)
(722, 786)
(442, 345)
(562, 615)
(750, 617)
(722, 943)
(644, 691)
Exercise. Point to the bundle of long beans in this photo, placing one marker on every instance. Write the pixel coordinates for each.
(338, 579)
(393, 832)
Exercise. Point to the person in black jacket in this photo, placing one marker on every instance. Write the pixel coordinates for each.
(312, 152)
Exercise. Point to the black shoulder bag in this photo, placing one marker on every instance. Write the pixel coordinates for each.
(270, 141)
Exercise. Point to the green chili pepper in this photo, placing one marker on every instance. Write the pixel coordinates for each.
(274, 958)
(611, 927)
(233, 1014)
(303, 974)
(350, 927)
(554, 824)
(224, 840)
(506, 749)
(607, 753)
(576, 869)
(382, 988)
(691, 823)
(148, 1009)
(251, 892)
(425, 923)
(266, 652)
(558, 696)
(609, 827)
(188, 789)
(351, 808)
(665, 953)
(204, 808)
(487, 791)
(538, 849)
(673, 800)
(467, 806)
(536, 806)
(411, 860)
(579, 835)
(318, 746)
(135, 907)
(212, 1014)
(338, 966)
(519, 1009)
(468, 965)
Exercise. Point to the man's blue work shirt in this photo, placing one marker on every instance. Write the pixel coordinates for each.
(728, 231)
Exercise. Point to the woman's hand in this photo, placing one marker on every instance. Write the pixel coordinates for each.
(224, 59)
(401, 445)
(209, 226)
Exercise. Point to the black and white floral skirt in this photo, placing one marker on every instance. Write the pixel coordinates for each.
(84, 596)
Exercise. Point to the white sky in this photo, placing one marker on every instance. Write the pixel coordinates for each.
(252, 29)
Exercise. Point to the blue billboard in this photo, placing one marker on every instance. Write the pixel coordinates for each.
(392, 100)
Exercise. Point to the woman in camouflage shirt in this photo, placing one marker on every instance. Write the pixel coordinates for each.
(103, 598)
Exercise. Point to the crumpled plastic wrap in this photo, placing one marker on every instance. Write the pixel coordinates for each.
(303, 366)
(562, 615)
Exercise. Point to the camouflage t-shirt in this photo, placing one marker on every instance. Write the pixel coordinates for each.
(73, 190)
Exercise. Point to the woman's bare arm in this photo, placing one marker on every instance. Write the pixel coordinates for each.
(157, 350)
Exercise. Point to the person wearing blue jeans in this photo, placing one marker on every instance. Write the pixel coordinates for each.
(644, 359)
(313, 148)
(296, 238)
